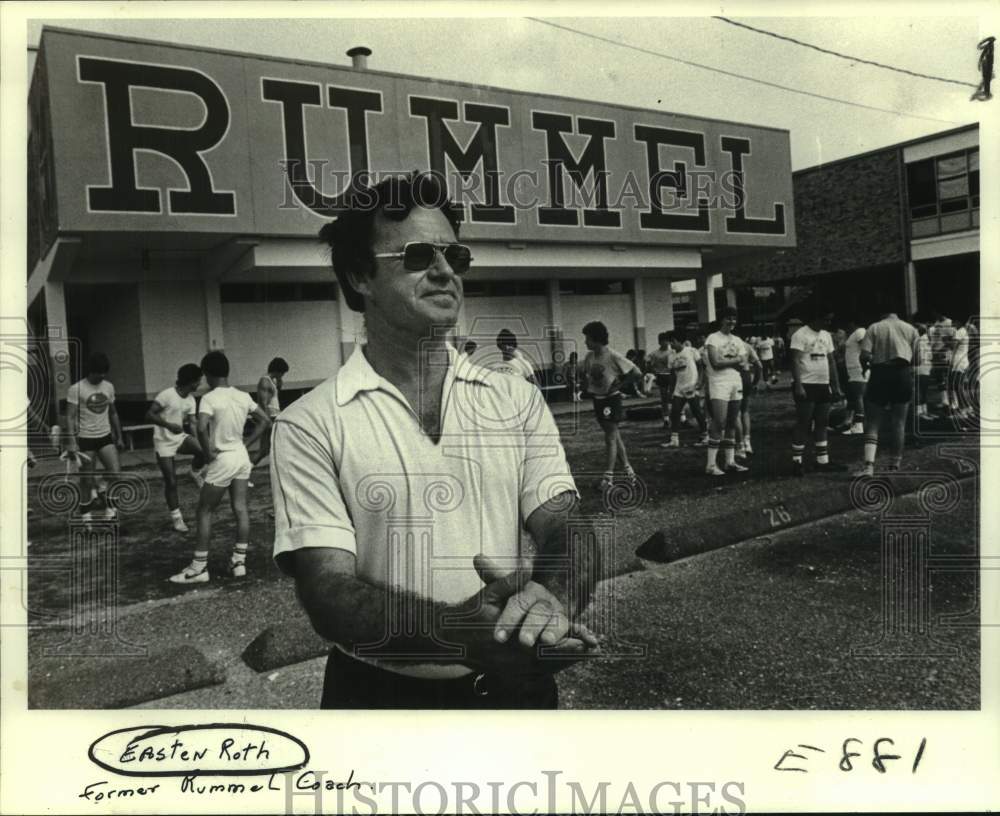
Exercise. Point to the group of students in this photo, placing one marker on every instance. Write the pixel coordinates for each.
(877, 371)
(210, 429)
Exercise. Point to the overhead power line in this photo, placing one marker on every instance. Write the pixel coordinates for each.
(845, 56)
(662, 55)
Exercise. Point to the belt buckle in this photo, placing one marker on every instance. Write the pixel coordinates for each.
(479, 686)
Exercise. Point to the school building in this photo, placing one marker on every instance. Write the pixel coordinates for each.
(892, 229)
(176, 193)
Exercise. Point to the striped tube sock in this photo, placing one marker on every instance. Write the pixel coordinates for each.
(822, 453)
(728, 452)
(797, 451)
(200, 561)
(713, 452)
(871, 448)
(240, 552)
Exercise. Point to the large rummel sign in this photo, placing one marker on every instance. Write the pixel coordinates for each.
(155, 137)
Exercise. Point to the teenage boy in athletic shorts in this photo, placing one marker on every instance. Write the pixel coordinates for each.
(268, 389)
(605, 370)
(888, 351)
(660, 362)
(221, 416)
(686, 376)
(815, 385)
(751, 374)
(726, 355)
(172, 412)
(94, 432)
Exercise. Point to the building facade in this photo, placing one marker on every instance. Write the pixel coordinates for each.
(895, 228)
(176, 193)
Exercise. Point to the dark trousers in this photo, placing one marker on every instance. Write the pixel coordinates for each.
(351, 683)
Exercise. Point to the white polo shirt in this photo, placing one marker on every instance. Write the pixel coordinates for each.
(352, 469)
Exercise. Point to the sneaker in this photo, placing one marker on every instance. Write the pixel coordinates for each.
(797, 469)
(189, 576)
(110, 514)
(630, 475)
(249, 483)
(198, 476)
(238, 569)
(673, 443)
(866, 471)
(606, 483)
(713, 470)
(87, 517)
(736, 468)
(830, 467)
(180, 526)
(701, 443)
(748, 449)
(854, 429)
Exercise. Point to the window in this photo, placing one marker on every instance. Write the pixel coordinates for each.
(943, 192)
(276, 292)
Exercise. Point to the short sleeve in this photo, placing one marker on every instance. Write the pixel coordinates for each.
(545, 473)
(798, 342)
(111, 393)
(206, 408)
(309, 508)
(73, 394)
(251, 403)
(866, 341)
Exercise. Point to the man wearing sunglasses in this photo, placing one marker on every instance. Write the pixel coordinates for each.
(424, 504)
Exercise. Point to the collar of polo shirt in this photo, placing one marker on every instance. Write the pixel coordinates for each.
(357, 374)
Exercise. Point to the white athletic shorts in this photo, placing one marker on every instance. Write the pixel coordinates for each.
(227, 467)
(169, 448)
(726, 390)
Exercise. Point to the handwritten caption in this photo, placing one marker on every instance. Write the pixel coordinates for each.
(852, 752)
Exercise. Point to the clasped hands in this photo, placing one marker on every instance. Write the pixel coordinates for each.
(513, 617)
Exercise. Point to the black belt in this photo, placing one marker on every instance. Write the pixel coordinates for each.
(352, 683)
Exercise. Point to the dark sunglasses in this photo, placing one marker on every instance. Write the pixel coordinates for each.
(418, 255)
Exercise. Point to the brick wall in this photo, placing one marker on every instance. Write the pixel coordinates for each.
(847, 216)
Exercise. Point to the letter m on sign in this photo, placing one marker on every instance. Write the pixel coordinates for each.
(183, 145)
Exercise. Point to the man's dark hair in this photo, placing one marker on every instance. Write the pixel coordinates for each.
(277, 366)
(729, 311)
(98, 363)
(597, 332)
(215, 364)
(351, 234)
(470, 346)
(188, 373)
(506, 338)
(669, 336)
(663, 336)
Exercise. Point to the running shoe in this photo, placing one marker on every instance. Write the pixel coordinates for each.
(189, 576)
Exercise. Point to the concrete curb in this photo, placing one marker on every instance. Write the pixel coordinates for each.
(284, 644)
(135, 681)
(671, 544)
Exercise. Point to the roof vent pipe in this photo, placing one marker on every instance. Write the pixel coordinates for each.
(359, 57)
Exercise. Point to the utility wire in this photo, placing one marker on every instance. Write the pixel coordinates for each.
(660, 54)
(844, 56)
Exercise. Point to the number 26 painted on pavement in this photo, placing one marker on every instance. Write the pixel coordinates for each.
(777, 515)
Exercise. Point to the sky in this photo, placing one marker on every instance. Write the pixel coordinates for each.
(519, 53)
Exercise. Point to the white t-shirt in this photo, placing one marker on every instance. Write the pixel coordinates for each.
(765, 348)
(815, 346)
(852, 355)
(229, 407)
(960, 357)
(94, 402)
(516, 367)
(175, 409)
(602, 369)
(728, 347)
(685, 366)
